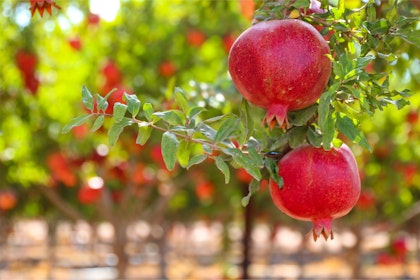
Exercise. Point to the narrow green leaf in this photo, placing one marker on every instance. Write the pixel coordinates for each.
(297, 135)
(116, 129)
(348, 128)
(119, 111)
(148, 111)
(170, 146)
(87, 99)
(256, 157)
(226, 129)
(253, 187)
(180, 99)
(273, 169)
(173, 117)
(143, 135)
(243, 161)
(133, 104)
(301, 117)
(207, 131)
(184, 151)
(314, 138)
(197, 159)
(79, 120)
(98, 123)
(328, 133)
(246, 118)
(223, 167)
(102, 103)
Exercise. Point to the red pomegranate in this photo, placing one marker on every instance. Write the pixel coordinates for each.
(280, 65)
(319, 186)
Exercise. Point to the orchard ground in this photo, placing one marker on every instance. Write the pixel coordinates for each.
(194, 251)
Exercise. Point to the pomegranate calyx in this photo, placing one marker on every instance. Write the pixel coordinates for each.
(277, 113)
(323, 227)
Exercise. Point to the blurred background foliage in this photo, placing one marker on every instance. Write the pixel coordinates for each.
(147, 48)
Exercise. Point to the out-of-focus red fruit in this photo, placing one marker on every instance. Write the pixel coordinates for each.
(247, 8)
(385, 259)
(167, 69)
(281, 66)
(413, 117)
(399, 247)
(204, 190)
(116, 96)
(319, 186)
(93, 19)
(243, 176)
(75, 43)
(195, 38)
(369, 68)
(31, 83)
(80, 132)
(228, 41)
(8, 200)
(366, 200)
(112, 73)
(61, 171)
(88, 195)
(26, 62)
(156, 155)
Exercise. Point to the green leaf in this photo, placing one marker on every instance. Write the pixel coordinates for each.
(184, 151)
(223, 167)
(347, 127)
(226, 129)
(143, 134)
(297, 136)
(170, 146)
(197, 159)
(301, 117)
(207, 131)
(119, 111)
(98, 123)
(253, 187)
(133, 104)
(87, 99)
(173, 117)
(273, 169)
(246, 118)
(243, 161)
(256, 157)
(148, 111)
(102, 103)
(116, 129)
(180, 99)
(314, 138)
(324, 106)
(76, 122)
(328, 133)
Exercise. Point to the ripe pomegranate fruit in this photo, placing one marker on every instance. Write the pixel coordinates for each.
(319, 186)
(280, 65)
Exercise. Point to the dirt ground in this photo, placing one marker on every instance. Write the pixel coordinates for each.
(197, 251)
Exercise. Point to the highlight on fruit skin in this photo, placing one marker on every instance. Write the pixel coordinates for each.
(319, 186)
(281, 66)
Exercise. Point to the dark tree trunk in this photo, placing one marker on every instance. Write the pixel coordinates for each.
(355, 257)
(246, 239)
(119, 248)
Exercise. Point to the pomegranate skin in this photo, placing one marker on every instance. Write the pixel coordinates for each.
(319, 186)
(280, 65)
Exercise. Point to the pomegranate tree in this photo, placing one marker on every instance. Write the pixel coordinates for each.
(280, 65)
(319, 186)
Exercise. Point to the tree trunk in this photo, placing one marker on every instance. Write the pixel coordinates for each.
(119, 247)
(355, 254)
(246, 239)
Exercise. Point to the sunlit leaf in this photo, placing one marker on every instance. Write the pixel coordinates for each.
(143, 134)
(184, 151)
(170, 146)
(87, 99)
(223, 167)
(76, 122)
(133, 104)
(116, 129)
(119, 111)
(98, 123)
